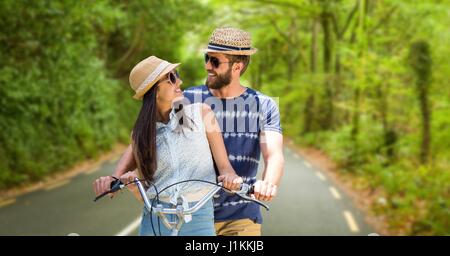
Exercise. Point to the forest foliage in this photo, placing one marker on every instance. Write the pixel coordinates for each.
(365, 81)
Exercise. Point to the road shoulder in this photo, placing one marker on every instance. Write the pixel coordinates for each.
(58, 177)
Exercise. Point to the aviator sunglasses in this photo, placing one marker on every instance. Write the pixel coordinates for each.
(215, 62)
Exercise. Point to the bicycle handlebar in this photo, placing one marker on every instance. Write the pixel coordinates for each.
(116, 185)
(245, 192)
(184, 215)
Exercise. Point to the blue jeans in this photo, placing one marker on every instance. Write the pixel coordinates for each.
(202, 223)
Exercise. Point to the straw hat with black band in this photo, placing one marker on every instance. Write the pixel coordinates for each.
(230, 41)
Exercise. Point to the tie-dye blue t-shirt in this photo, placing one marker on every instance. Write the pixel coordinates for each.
(241, 120)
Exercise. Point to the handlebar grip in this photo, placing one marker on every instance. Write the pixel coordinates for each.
(247, 189)
(251, 190)
(115, 186)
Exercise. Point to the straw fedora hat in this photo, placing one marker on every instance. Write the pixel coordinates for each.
(147, 72)
(231, 41)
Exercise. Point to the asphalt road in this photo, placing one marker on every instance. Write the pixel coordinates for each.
(308, 203)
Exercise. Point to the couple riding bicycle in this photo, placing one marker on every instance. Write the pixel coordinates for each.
(208, 133)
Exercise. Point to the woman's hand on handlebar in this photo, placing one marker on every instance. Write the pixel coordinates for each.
(129, 177)
(231, 181)
(102, 185)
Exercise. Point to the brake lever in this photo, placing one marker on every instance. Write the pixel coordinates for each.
(245, 192)
(116, 185)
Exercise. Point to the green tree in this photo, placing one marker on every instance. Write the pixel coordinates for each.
(420, 61)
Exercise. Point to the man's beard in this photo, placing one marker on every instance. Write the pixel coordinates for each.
(219, 80)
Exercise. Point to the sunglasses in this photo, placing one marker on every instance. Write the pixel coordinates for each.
(215, 62)
(172, 77)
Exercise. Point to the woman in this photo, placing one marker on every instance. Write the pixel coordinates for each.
(172, 144)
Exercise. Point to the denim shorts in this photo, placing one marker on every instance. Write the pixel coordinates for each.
(202, 223)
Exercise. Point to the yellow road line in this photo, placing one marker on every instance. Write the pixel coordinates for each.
(351, 222)
(114, 159)
(57, 185)
(7, 202)
(320, 175)
(307, 164)
(92, 170)
(335, 193)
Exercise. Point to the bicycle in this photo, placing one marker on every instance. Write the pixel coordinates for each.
(183, 215)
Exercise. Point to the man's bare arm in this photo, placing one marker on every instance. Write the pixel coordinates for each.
(271, 144)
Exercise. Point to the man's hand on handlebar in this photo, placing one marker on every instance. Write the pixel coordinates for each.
(231, 181)
(264, 191)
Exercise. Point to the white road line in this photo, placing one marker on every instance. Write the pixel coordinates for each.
(307, 164)
(130, 228)
(335, 193)
(320, 175)
(7, 202)
(351, 222)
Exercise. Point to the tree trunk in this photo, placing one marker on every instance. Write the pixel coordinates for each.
(327, 121)
(389, 134)
(327, 43)
(420, 60)
(308, 110)
(315, 30)
(426, 118)
(354, 159)
(360, 74)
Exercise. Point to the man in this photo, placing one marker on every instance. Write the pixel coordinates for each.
(250, 124)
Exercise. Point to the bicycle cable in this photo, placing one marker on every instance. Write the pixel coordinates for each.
(176, 183)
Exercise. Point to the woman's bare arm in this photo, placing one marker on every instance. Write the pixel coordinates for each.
(126, 163)
(227, 174)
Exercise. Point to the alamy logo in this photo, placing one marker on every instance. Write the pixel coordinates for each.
(234, 116)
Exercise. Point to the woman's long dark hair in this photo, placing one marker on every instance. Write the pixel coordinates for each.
(144, 134)
(144, 137)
